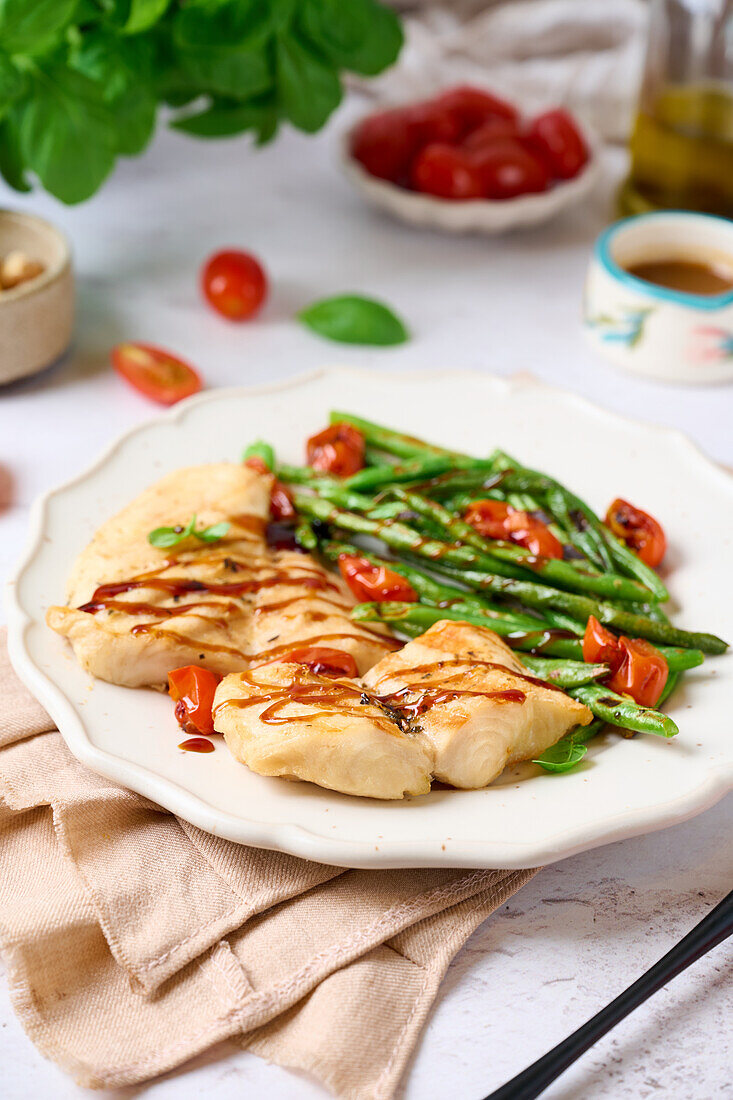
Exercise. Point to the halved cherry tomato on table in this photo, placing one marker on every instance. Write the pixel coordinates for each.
(156, 373)
(234, 284)
(371, 582)
(507, 169)
(323, 660)
(637, 668)
(448, 172)
(192, 690)
(638, 530)
(281, 502)
(557, 139)
(338, 449)
(494, 519)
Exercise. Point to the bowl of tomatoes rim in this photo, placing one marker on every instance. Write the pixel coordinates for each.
(468, 160)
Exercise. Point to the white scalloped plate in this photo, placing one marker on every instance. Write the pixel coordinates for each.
(486, 216)
(527, 817)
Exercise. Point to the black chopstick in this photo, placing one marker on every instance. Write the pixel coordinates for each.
(712, 930)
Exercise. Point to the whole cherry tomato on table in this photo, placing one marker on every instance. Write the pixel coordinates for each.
(638, 530)
(557, 139)
(338, 449)
(323, 660)
(234, 284)
(156, 373)
(448, 172)
(494, 519)
(370, 582)
(192, 690)
(508, 169)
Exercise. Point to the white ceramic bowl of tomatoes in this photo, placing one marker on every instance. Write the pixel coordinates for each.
(467, 160)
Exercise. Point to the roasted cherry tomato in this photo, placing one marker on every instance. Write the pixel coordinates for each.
(155, 373)
(639, 530)
(385, 143)
(496, 520)
(338, 449)
(507, 169)
(371, 582)
(642, 672)
(637, 668)
(234, 284)
(192, 690)
(494, 129)
(557, 139)
(473, 106)
(448, 172)
(601, 646)
(323, 661)
(281, 502)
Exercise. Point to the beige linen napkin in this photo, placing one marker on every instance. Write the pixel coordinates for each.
(133, 940)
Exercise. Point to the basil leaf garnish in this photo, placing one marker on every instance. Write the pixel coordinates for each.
(352, 319)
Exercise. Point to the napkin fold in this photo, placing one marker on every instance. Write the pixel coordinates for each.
(133, 940)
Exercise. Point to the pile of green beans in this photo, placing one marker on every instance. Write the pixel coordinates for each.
(405, 509)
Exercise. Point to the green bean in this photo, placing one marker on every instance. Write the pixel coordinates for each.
(396, 443)
(620, 711)
(565, 674)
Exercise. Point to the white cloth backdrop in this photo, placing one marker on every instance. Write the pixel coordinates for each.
(585, 54)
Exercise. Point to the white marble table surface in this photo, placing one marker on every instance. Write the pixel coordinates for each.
(582, 929)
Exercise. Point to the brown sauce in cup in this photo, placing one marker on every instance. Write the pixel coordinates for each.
(688, 276)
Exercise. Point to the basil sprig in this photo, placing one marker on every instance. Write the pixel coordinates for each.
(352, 319)
(165, 537)
(81, 81)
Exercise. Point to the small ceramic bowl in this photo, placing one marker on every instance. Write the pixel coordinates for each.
(470, 215)
(670, 335)
(36, 317)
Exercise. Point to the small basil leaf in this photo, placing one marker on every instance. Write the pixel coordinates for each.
(214, 533)
(351, 319)
(260, 449)
(144, 14)
(361, 35)
(308, 88)
(562, 757)
(164, 537)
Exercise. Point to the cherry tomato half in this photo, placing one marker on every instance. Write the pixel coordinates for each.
(638, 530)
(324, 661)
(281, 502)
(374, 582)
(496, 520)
(557, 139)
(642, 672)
(192, 690)
(601, 646)
(507, 169)
(156, 373)
(448, 172)
(637, 668)
(234, 284)
(338, 449)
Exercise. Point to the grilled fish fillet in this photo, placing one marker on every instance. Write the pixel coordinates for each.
(136, 612)
(473, 702)
(282, 719)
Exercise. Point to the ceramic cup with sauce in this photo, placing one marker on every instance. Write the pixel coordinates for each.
(659, 296)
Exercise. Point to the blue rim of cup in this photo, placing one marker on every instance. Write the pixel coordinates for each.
(602, 251)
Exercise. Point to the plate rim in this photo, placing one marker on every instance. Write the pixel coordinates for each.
(294, 837)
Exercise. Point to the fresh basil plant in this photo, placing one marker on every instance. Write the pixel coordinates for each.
(81, 81)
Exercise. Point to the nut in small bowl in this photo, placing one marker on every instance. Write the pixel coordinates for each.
(467, 161)
(36, 295)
